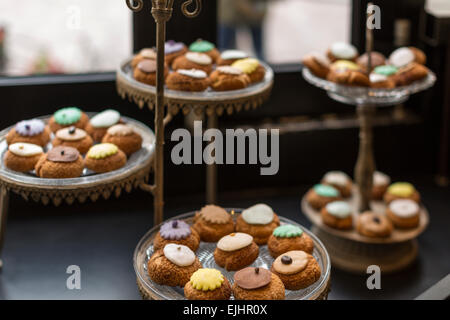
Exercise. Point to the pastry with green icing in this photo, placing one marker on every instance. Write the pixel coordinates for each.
(203, 46)
(105, 157)
(68, 117)
(338, 215)
(289, 237)
(401, 190)
(321, 194)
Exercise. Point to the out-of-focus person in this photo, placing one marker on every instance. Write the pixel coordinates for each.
(2, 50)
(235, 14)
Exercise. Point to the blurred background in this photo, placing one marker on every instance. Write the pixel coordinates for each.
(80, 36)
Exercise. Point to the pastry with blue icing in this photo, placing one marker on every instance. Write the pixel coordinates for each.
(322, 194)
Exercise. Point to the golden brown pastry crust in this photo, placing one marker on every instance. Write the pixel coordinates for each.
(225, 62)
(163, 271)
(279, 246)
(192, 241)
(346, 191)
(20, 164)
(273, 291)
(111, 163)
(410, 73)
(302, 279)
(419, 55)
(224, 82)
(40, 139)
(379, 191)
(59, 170)
(388, 197)
(316, 68)
(349, 77)
(177, 81)
(389, 83)
(257, 75)
(318, 202)
(212, 232)
(82, 145)
(367, 227)
(172, 56)
(335, 222)
(222, 293)
(148, 78)
(260, 233)
(235, 260)
(183, 63)
(81, 124)
(214, 54)
(128, 144)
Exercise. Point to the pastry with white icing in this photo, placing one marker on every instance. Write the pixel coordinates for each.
(99, 124)
(22, 157)
(404, 213)
(339, 180)
(259, 221)
(236, 251)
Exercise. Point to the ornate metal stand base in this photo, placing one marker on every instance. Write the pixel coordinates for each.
(353, 256)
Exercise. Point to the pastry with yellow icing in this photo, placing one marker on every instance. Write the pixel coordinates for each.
(124, 137)
(401, 190)
(235, 251)
(207, 284)
(252, 68)
(73, 137)
(257, 284)
(296, 269)
(173, 265)
(212, 223)
(61, 162)
(22, 157)
(258, 221)
(105, 157)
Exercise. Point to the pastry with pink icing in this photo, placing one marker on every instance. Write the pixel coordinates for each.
(32, 131)
(236, 251)
(124, 137)
(173, 50)
(178, 232)
(403, 213)
(144, 54)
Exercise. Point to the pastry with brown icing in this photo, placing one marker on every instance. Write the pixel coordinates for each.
(296, 269)
(60, 162)
(374, 225)
(257, 284)
(212, 223)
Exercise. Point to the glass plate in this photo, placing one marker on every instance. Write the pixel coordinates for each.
(135, 162)
(205, 253)
(369, 96)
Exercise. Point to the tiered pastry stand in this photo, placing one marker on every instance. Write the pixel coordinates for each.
(211, 103)
(151, 290)
(349, 250)
(90, 186)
